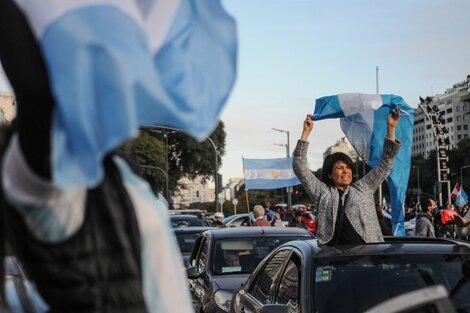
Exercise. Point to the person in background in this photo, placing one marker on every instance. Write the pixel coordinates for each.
(260, 220)
(385, 223)
(346, 210)
(424, 220)
(277, 221)
(270, 214)
(297, 220)
(218, 220)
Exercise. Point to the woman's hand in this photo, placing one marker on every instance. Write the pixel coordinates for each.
(308, 126)
(392, 123)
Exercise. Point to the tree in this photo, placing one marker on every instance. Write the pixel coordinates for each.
(186, 157)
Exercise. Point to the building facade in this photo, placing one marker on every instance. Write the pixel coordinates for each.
(194, 191)
(454, 110)
(342, 145)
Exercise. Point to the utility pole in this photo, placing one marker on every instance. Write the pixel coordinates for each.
(289, 189)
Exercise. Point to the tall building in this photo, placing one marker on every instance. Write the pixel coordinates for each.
(7, 107)
(454, 109)
(344, 146)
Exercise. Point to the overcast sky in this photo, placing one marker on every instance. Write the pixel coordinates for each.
(294, 51)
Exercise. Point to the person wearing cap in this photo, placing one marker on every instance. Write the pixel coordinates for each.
(218, 220)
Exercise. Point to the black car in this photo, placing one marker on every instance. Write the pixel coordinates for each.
(223, 259)
(188, 220)
(186, 237)
(304, 277)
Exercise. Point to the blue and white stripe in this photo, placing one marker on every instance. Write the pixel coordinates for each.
(364, 122)
(116, 65)
(269, 173)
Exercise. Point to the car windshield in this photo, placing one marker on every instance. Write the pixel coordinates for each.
(241, 256)
(362, 282)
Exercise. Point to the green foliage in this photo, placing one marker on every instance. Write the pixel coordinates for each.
(186, 157)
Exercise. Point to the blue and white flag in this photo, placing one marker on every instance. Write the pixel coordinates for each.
(269, 173)
(364, 122)
(116, 65)
(462, 198)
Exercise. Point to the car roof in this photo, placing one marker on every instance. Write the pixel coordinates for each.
(184, 216)
(392, 245)
(191, 230)
(240, 232)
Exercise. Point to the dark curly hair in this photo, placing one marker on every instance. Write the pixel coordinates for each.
(328, 164)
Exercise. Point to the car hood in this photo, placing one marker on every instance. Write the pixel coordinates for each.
(229, 282)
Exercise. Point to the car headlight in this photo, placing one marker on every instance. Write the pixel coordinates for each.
(222, 299)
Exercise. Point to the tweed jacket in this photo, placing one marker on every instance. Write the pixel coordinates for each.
(359, 207)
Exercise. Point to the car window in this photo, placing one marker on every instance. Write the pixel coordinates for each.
(288, 291)
(202, 257)
(189, 221)
(249, 251)
(379, 278)
(186, 241)
(240, 221)
(264, 284)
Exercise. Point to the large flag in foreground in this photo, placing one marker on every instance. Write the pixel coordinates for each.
(269, 173)
(364, 122)
(459, 195)
(117, 65)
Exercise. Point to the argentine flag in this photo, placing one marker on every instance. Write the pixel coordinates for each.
(364, 122)
(269, 173)
(116, 65)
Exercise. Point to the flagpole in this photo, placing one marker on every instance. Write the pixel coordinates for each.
(377, 92)
(248, 206)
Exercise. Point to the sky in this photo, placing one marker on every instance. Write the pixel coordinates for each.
(294, 51)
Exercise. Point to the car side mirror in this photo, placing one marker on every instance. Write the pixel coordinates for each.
(193, 273)
(274, 308)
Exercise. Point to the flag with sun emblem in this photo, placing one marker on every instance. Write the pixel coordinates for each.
(269, 173)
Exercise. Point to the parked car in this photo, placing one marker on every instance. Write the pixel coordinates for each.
(186, 237)
(237, 220)
(307, 217)
(302, 276)
(223, 259)
(188, 220)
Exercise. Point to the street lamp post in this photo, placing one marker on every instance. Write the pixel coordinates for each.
(461, 177)
(419, 189)
(289, 189)
(164, 173)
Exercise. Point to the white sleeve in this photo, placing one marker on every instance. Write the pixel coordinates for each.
(52, 214)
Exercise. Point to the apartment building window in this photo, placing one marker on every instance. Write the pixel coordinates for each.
(457, 118)
(465, 127)
(466, 117)
(459, 127)
(449, 110)
(449, 120)
(459, 137)
(458, 108)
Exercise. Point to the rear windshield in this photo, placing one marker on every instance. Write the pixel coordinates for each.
(362, 282)
(186, 241)
(241, 256)
(178, 221)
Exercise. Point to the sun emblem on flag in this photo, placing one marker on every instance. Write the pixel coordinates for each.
(275, 174)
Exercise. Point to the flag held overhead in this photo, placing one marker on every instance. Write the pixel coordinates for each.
(363, 119)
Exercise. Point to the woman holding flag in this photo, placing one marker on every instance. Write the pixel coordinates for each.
(346, 210)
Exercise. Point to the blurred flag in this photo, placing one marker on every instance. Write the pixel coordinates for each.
(117, 65)
(269, 173)
(459, 195)
(364, 122)
(455, 191)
